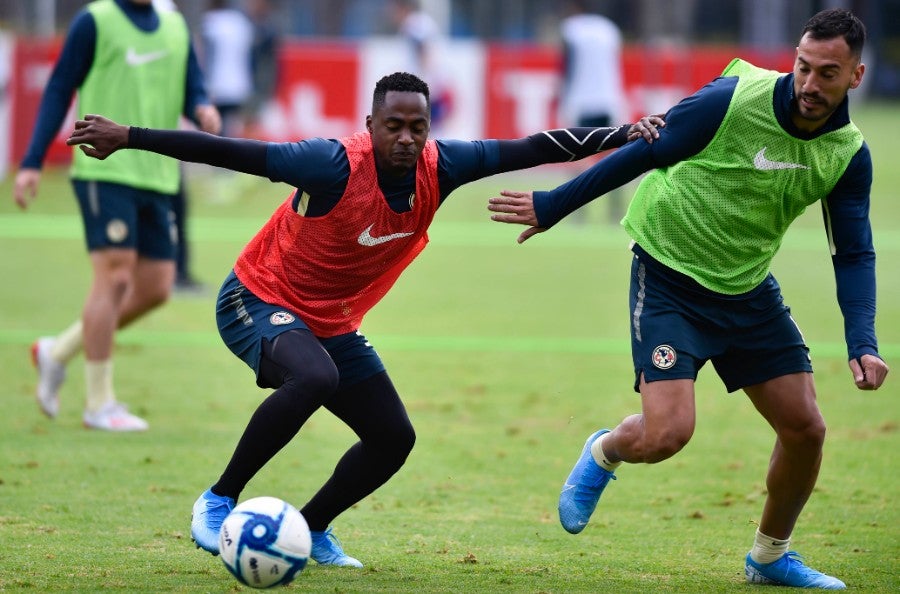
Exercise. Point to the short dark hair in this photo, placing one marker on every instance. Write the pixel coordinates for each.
(837, 22)
(403, 82)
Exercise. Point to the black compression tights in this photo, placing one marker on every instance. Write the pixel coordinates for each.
(306, 379)
(372, 408)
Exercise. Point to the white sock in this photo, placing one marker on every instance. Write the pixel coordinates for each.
(600, 457)
(98, 376)
(67, 343)
(767, 549)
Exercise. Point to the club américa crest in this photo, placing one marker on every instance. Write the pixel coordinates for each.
(280, 318)
(664, 356)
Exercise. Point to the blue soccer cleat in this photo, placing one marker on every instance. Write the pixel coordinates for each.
(326, 550)
(583, 488)
(210, 510)
(789, 570)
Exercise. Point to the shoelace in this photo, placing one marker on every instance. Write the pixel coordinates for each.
(595, 479)
(582, 495)
(218, 509)
(332, 543)
(329, 536)
(795, 562)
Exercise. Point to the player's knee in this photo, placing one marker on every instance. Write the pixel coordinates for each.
(321, 380)
(397, 443)
(665, 444)
(808, 435)
(157, 296)
(115, 282)
(405, 440)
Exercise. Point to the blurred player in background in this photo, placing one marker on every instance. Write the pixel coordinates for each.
(185, 282)
(593, 90)
(227, 35)
(116, 51)
(292, 307)
(737, 162)
(422, 34)
(264, 58)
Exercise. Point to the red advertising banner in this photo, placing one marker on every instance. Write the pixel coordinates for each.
(521, 90)
(504, 91)
(318, 92)
(33, 61)
(658, 77)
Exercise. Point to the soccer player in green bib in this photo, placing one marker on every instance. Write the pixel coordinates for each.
(737, 162)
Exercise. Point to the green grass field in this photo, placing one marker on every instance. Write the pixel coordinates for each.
(507, 357)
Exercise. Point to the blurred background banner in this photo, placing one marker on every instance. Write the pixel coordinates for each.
(6, 46)
(494, 67)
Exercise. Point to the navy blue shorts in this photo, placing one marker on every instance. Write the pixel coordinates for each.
(244, 320)
(120, 216)
(677, 325)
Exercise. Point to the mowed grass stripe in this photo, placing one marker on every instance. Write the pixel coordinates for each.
(486, 344)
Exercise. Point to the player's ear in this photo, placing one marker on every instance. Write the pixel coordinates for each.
(369, 123)
(858, 72)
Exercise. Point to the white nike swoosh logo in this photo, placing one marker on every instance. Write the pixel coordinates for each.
(366, 239)
(763, 164)
(132, 58)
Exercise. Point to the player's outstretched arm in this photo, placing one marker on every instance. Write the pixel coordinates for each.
(98, 137)
(568, 144)
(517, 208)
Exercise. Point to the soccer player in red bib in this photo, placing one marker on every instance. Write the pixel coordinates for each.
(293, 304)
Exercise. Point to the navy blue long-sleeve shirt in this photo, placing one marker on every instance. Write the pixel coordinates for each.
(319, 166)
(690, 126)
(74, 64)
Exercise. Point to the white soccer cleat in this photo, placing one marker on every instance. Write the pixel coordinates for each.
(113, 416)
(51, 375)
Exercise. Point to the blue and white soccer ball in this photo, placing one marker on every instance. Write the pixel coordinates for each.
(264, 542)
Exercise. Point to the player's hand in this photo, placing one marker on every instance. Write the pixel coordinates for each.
(98, 136)
(647, 128)
(26, 186)
(516, 207)
(208, 118)
(869, 372)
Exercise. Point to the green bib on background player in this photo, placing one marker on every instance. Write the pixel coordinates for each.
(137, 79)
(719, 216)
